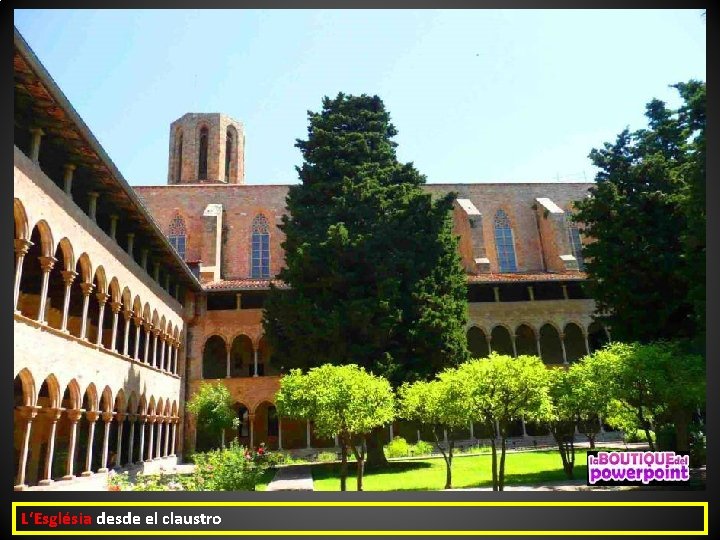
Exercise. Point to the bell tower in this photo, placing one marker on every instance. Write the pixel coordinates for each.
(206, 148)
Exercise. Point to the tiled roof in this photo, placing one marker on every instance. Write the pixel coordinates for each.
(242, 284)
(260, 284)
(521, 277)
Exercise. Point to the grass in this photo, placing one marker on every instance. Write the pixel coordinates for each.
(521, 468)
(265, 479)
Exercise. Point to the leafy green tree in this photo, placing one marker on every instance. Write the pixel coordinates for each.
(502, 389)
(343, 401)
(592, 383)
(372, 264)
(441, 404)
(562, 418)
(212, 407)
(646, 217)
(660, 383)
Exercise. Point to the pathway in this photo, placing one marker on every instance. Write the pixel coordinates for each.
(292, 478)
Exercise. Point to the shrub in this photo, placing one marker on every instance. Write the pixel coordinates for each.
(233, 468)
(421, 448)
(398, 447)
(326, 456)
(150, 482)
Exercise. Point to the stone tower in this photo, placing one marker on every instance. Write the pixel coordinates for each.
(206, 149)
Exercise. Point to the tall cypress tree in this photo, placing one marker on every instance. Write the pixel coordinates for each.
(371, 261)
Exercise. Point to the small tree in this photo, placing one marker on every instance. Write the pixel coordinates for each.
(343, 401)
(562, 419)
(502, 390)
(660, 381)
(212, 406)
(592, 386)
(441, 403)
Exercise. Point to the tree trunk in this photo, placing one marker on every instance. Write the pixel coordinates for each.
(448, 464)
(448, 460)
(591, 439)
(343, 464)
(360, 457)
(494, 464)
(681, 419)
(375, 454)
(501, 475)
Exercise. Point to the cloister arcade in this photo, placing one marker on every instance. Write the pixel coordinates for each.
(241, 356)
(64, 432)
(555, 344)
(64, 291)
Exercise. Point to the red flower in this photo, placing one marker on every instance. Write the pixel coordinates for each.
(261, 450)
(114, 488)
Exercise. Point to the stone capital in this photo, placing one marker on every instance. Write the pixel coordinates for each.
(138, 320)
(142, 417)
(68, 276)
(69, 167)
(102, 297)
(47, 263)
(128, 314)
(156, 330)
(151, 418)
(74, 415)
(148, 326)
(22, 246)
(120, 416)
(107, 416)
(86, 288)
(92, 416)
(27, 412)
(53, 413)
(36, 131)
(116, 307)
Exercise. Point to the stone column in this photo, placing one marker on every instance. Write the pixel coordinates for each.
(86, 289)
(73, 416)
(107, 418)
(255, 364)
(151, 420)
(37, 134)
(161, 337)
(143, 423)
(167, 436)
(156, 271)
(562, 346)
(174, 435)
(92, 417)
(497, 429)
(418, 436)
(132, 418)
(155, 335)
(159, 442)
(600, 421)
(514, 345)
(148, 331)
(138, 325)
(227, 363)
(280, 434)
(445, 437)
(537, 344)
(22, 246)
(524, 428)
(176, 351)
(472, 432)
(120, 418)
(46, 264)
(391, 431)
(113, 225)
(130, 243)
(115, 308)
(68, 178)
(68, 278)
(307, 433)
(102, 300)
(53, 416)
(143, 258)
(565, 292)
(92, 205)
(587, 344)
(27, 414)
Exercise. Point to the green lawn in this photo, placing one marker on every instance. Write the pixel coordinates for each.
(468, 471)
(266, 478)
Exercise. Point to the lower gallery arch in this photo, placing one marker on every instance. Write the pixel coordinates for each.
(23, 399)
(214, 364)
(597, 336)
(574, 342)
(550, 346)
(241, 357)
(525, 340)
(501, 342)
(477, 343)
(31, 280)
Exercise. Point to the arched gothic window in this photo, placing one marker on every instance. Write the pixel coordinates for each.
(228, 153)
(203, 154)
(260, 257)
(504, 243)
(177, 235)
(576, 244)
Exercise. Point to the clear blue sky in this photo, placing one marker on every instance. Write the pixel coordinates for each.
(476, 95)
